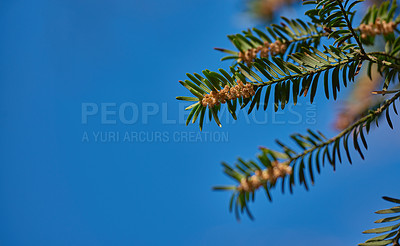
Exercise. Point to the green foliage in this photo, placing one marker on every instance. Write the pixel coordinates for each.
(315, 151)
(281, 77)
(294, 33)
(391, 233)
(384, 12)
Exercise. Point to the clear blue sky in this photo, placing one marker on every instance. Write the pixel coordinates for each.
(56, 188)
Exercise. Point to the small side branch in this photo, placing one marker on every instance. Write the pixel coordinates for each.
(347, 130)
(350, 27)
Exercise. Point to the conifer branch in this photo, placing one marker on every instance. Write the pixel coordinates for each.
(380, 53)
(372, 115)
(355, 36)
(391, 233)
(287, 62)
(382, 62)
(280, 165)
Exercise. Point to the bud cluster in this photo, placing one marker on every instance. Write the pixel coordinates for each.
(228, 93)
(274, 48)
(379, 27)
(271, 174)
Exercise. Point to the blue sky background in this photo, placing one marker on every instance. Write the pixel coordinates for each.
(56, 189)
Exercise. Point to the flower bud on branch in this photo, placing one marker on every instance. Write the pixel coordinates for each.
(271, 174)
(228, 93)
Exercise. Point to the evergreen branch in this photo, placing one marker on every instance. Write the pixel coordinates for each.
(308, 72)
(392, 232)
(349, 129)
(379, 20)
(281, 165)
(290, 65)
(293, 34)
(380, 53)
(382, 62)
(305, 72)
(285, 77)
(355, 36)
(218, 88)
